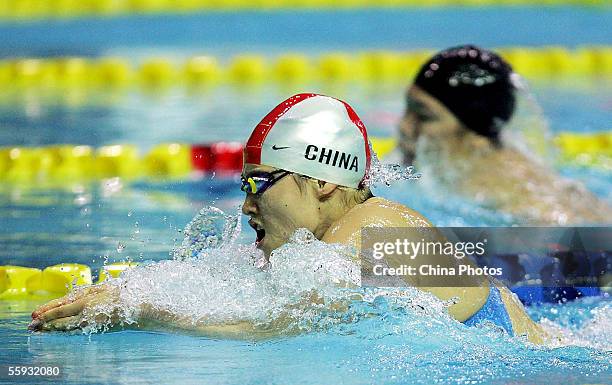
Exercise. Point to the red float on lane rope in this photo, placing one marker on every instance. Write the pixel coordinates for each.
(221, 157)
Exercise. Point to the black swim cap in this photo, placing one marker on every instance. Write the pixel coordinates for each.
(474, 84)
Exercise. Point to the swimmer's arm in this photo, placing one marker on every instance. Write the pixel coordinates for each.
(151, 318)
(162, 320)
(69, 313)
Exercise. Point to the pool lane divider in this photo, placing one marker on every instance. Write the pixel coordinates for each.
(157, 73)
(177, 161)
(166, 161)
(27, 283)
(24, 10)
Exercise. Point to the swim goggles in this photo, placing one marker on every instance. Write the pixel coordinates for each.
(260, 181)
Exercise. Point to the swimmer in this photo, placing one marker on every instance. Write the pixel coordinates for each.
(457, 109)
(305, 166)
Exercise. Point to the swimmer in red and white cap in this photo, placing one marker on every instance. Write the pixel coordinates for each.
(312, 154)
(306, 165)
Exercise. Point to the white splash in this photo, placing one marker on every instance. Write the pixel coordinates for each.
(214, 280)
(210, 228)
(386, 173)
(594, 333)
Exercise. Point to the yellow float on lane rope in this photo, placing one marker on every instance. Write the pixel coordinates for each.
(27, 283)
(114, 270)
(58, 280)
(171, 160)
(36, 166)
(593, 149)
(13, 281)
(383, 146)
(157, 73)
(22, 10)
(18, 282)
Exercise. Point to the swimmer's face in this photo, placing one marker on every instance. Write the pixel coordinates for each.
(280, 210)
(425, 116)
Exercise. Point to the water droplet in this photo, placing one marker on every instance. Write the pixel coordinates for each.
(383, 173)
(120, 247)
(82, 199)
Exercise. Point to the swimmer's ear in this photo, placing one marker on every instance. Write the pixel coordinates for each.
(325, 189)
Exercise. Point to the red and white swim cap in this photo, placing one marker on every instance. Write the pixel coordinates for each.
(313, 135)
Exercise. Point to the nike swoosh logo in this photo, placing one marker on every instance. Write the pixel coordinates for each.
(279, 148)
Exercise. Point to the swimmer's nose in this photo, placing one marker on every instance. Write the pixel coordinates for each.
(249, 206)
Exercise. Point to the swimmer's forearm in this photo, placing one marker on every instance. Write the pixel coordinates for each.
(150, 318)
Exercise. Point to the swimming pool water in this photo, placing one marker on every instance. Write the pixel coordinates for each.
(84, 223)
(88, 224)
(228, 33)
(94, 223)
(394, 349)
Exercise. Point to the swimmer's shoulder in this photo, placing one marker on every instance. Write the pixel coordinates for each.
(390, 213)
(375, 212)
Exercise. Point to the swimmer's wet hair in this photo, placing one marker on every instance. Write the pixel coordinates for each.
(474, 84)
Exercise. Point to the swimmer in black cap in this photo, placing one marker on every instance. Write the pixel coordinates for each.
(457, 109)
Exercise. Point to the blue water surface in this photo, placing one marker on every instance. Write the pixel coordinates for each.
(312, 31)
(392, 348)
(92, 224)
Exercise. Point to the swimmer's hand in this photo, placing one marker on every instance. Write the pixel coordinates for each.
(67, 313)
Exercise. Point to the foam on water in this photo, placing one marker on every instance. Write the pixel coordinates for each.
(213, 280)
(386, 335)
(304, 281)
(585, 322)
(312, 286)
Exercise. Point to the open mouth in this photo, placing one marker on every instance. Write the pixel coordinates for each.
(260, 236)
(261, 233)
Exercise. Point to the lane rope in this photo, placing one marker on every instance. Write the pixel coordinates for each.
(288, 69)
(27, 283)
(27, 10)
(177, 161)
